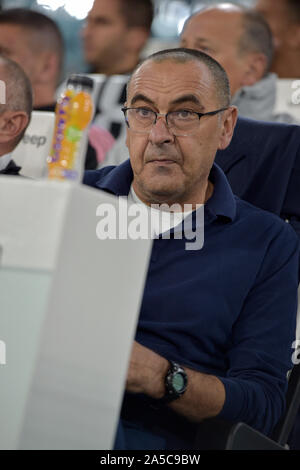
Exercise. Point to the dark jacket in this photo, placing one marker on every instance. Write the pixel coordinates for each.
(262, 165)
(11, 169)
(248, 254)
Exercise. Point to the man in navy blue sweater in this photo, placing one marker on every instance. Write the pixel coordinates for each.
(217, 324)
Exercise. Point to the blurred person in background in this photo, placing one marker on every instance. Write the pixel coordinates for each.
(35, 42)
(283, 17)
(241, 41)
(115, 33)
(15, 112)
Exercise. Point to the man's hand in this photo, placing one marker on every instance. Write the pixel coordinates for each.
(205, 394)
(147, 371)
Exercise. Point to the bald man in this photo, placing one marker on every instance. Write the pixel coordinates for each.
(15, 112)
(194, 356)
(241, 41)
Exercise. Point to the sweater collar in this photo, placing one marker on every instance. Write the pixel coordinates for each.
(221, 204)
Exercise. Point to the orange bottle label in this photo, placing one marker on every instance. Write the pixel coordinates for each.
(73, 114)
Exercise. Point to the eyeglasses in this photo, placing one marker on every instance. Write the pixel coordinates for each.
(182, 122)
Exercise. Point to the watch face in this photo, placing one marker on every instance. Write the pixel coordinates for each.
(178, 382)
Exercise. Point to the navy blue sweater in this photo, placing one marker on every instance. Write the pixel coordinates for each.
(262, 165)
(228, 309)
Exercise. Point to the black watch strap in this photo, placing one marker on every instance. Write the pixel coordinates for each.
(175, 383)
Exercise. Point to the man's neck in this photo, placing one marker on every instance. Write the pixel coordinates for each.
(194, 201)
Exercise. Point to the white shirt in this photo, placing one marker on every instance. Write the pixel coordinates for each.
(161, 220)
(4, 161)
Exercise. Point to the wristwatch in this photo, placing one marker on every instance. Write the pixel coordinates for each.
(175, 382)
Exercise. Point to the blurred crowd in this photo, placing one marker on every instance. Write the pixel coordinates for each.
(257, 48)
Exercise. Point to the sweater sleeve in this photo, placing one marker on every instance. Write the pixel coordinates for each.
(91, 177)
(262, 339)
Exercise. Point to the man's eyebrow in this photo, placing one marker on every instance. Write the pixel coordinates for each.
(188, 98)
(99, 19)
(181, 99)
(141, 97)
(204, 40)
(198, 39)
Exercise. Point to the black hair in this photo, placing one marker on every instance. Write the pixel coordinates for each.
(137, 12)
(48, 33)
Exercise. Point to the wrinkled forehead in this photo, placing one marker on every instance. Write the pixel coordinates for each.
(170, 79)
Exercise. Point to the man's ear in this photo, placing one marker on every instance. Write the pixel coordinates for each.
(229, 120)
(12, 124)
(256, 64)
(47, 67)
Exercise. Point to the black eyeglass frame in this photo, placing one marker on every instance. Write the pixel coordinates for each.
(200, 115)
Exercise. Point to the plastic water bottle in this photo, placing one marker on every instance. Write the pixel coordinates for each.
(74, 112)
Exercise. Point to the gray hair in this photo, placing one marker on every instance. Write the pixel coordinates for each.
(18, 89)
(183, 55)
(256, 36)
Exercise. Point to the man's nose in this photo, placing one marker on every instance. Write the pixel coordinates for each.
(160, 133)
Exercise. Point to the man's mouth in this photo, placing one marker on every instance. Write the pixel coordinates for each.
(162, 161)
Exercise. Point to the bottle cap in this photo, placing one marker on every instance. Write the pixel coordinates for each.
(82, 80)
